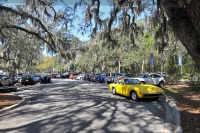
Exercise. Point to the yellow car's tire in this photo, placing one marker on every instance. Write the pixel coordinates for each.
(134, 96)
(114, 91)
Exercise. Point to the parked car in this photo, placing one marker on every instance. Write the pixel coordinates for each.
(112, 76)
(87, 77)
(18, 78)
(6, 83)
(53, 75)
(95, 78)
(36, 78)
(57, 75)
(102, 78)
(80, 77)
(164, 74)
(45, 78)
(129, 75)
(65, 75)
(134, 89)
(73, 75)
(27, 80)
(152, 78)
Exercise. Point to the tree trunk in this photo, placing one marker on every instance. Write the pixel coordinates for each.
(182, 25)
(143, 62)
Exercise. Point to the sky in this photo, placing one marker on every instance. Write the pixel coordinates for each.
(68, 2)
(104, 8)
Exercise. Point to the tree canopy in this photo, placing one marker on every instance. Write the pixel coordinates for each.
(39, 20)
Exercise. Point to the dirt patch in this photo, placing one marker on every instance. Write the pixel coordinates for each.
(187, 98)
(7, 100)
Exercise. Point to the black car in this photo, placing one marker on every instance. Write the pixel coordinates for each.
(45, 78)
(87, 77)
(27, 80)
(6, 83)
(65, 75)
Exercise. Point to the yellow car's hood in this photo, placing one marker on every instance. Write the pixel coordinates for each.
(148, 89)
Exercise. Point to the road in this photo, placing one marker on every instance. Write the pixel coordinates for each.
(67, 106)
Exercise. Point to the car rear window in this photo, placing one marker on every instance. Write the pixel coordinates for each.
(156, 76)
(107, 74)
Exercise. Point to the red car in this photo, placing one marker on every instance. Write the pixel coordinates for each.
(73, 75)
(53, 75)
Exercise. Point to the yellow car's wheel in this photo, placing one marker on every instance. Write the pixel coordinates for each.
(113, 91)
(134, 96)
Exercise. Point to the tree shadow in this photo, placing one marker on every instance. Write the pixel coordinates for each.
(68, 107)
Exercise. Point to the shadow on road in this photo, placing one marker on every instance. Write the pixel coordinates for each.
(81, 107)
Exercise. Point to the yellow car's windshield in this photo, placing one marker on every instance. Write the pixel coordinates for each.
(131, 81)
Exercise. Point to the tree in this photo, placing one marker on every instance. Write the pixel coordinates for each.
(181, 15)
(47, 64)
(41, 17)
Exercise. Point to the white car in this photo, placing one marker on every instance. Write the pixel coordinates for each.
(152, 78)
(36, 78)
(80, 77)
(164, 74)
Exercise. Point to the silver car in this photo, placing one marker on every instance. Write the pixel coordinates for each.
(6, 83)
(112, 76)
(151, 78)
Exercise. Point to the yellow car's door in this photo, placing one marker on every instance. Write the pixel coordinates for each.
(119, 88)
(128, 87)
(125, 88)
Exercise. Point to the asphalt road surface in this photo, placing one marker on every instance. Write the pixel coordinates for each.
(70, 106)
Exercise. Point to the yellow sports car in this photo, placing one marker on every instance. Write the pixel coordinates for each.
(134, 89)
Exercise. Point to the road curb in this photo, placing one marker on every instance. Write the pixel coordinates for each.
(22, 102)
(172, 114)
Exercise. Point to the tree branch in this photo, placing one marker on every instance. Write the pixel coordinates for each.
(30, 16)
(30, 32)
(3, 58)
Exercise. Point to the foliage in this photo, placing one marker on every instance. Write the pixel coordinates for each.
(47, 64)
(135, 58)
(119, 38)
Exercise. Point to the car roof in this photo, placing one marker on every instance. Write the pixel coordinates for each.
(2, 76)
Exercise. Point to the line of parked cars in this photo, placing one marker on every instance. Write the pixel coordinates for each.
(32, 79)
(7, 83)
(157, 79)
(109, 77)
(70, 75)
